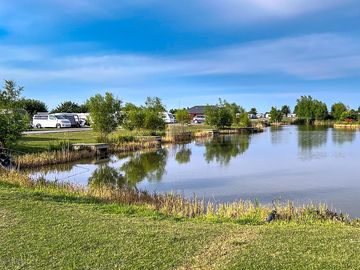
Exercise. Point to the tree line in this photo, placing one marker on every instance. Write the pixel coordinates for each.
(107, 112)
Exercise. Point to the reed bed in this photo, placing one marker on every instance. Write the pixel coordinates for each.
(51, 158)
(245, 212)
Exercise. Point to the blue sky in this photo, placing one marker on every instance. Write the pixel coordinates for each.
(254, 52)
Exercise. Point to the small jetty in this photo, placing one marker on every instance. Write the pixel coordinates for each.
(98, 148)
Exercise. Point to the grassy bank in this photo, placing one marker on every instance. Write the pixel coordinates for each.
(48, 227)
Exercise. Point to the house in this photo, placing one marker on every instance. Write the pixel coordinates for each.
(196, 110)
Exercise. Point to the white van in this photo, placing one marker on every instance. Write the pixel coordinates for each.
(50, 121)
(169, 118)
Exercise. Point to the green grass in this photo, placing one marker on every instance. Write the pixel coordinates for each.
(44, 229)
(41, 142)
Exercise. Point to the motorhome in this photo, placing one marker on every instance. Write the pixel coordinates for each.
(45, 120)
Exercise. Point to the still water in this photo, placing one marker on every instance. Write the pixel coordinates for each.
(302, 164)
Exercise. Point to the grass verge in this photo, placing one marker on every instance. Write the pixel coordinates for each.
(48, 228)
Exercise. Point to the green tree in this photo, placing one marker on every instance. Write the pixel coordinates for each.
(337, 110)
(13, 120)
(235, 110)
(359, 109)
(134, 117)
(349, 116)
(320, 110)
(70, 107)
(285, 110)
(310, 109)
(32, 106)
(253, 111)
(154, 104)
(244, 120)
(276, 115)
(10, 95)
(220, 115)
(144, 117)
(105, 113)
(182, 116)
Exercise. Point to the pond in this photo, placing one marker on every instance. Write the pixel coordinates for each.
(297, 163)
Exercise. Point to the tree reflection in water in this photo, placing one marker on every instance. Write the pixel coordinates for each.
(183, 155)
(106, 176)
(311, 137)
(150, 166)
(223, 148)
(341, 136)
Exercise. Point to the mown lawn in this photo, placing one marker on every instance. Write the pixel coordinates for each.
(42, 142)
(41, 230)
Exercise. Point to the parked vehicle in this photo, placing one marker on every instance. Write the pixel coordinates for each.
(169, 118)
(199, 119)
(73, 118)
(84, 119)
(42, 120)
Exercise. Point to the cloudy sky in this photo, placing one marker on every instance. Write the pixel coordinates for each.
(254, 52)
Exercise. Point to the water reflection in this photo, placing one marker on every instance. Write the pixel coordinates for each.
(277, 136)
(223, 148)
(106, 176)
(311, 137)
(343, 136)
(183, 155)
(150, 166)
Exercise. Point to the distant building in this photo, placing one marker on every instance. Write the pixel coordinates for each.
(196, 110)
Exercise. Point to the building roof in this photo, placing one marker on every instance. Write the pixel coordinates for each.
(197, 109)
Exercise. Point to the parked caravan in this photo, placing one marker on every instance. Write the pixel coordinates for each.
(169, 118)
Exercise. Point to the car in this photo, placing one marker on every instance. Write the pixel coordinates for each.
(199, 119)
(50, 121)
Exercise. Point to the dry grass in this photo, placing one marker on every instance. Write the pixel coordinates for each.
(244, 212)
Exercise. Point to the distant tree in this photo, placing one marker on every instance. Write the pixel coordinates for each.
(32, 106)
(155, 104)
(173, 111)
(182, 116)
(276, 115)
(350, 115)
(320, 110)
(144, 117)
(359, 109)
(134, 117)
(244, 120)
(219, 116)
(285, 110)
(105, 113)
(13, 120)
(70, 107)
(253, 111)
(235, 110)
(310, 109)
(337, 110)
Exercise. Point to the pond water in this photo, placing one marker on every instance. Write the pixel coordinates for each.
(302, 164)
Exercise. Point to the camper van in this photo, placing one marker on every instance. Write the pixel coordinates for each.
(44, 120)
(169, 118)
(73, 118)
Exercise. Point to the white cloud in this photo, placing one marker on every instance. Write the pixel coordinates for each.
(310, 57)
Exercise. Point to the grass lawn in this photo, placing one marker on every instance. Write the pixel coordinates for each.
(41, 142)
(43, 230)
(33, 143)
